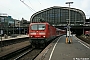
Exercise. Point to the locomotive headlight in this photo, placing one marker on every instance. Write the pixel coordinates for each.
(44, 36)
(31, 36)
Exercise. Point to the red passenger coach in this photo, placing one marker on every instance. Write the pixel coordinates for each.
(60, 32)
(41, 33)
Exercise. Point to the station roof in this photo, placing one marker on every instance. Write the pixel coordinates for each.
(59, 7)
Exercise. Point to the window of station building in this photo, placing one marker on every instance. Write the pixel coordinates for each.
(63, 16)
(81, 18)
(72, 16)
(35, 19)
(57, 15)
(38, 18)
(78, 16)
(67, 14)
(44, 15)
(56, 10)
(39, 15)
(51, 15)
(47, 13)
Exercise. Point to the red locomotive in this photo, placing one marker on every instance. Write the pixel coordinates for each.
(41, 33)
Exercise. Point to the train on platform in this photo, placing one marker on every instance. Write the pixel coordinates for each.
(41, 33)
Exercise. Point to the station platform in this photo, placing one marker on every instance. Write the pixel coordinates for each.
(10, 38)
(59, 50)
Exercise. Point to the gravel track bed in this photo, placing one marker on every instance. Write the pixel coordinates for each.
(11, 48)
(11, 42)
(31, 55)
(85, 38)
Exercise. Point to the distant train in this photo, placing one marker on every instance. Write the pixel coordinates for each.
(87, 33)
(41, 33)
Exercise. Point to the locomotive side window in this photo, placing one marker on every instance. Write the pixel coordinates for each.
(38, 27)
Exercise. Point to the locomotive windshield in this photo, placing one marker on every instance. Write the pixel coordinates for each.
(38, 27)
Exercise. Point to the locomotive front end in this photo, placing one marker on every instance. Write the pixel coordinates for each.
(37, 33)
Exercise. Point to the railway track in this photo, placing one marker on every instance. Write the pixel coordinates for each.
(13, 54)
(85, 39)
(30, 55)
(13, 41)
(22, 54)
(26, 53)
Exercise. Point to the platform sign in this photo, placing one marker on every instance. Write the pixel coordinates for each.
(67, 33)
(1, 32)
(67, 27)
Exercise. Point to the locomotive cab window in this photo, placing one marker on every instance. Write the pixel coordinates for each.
(33, 27)
(38, 27)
